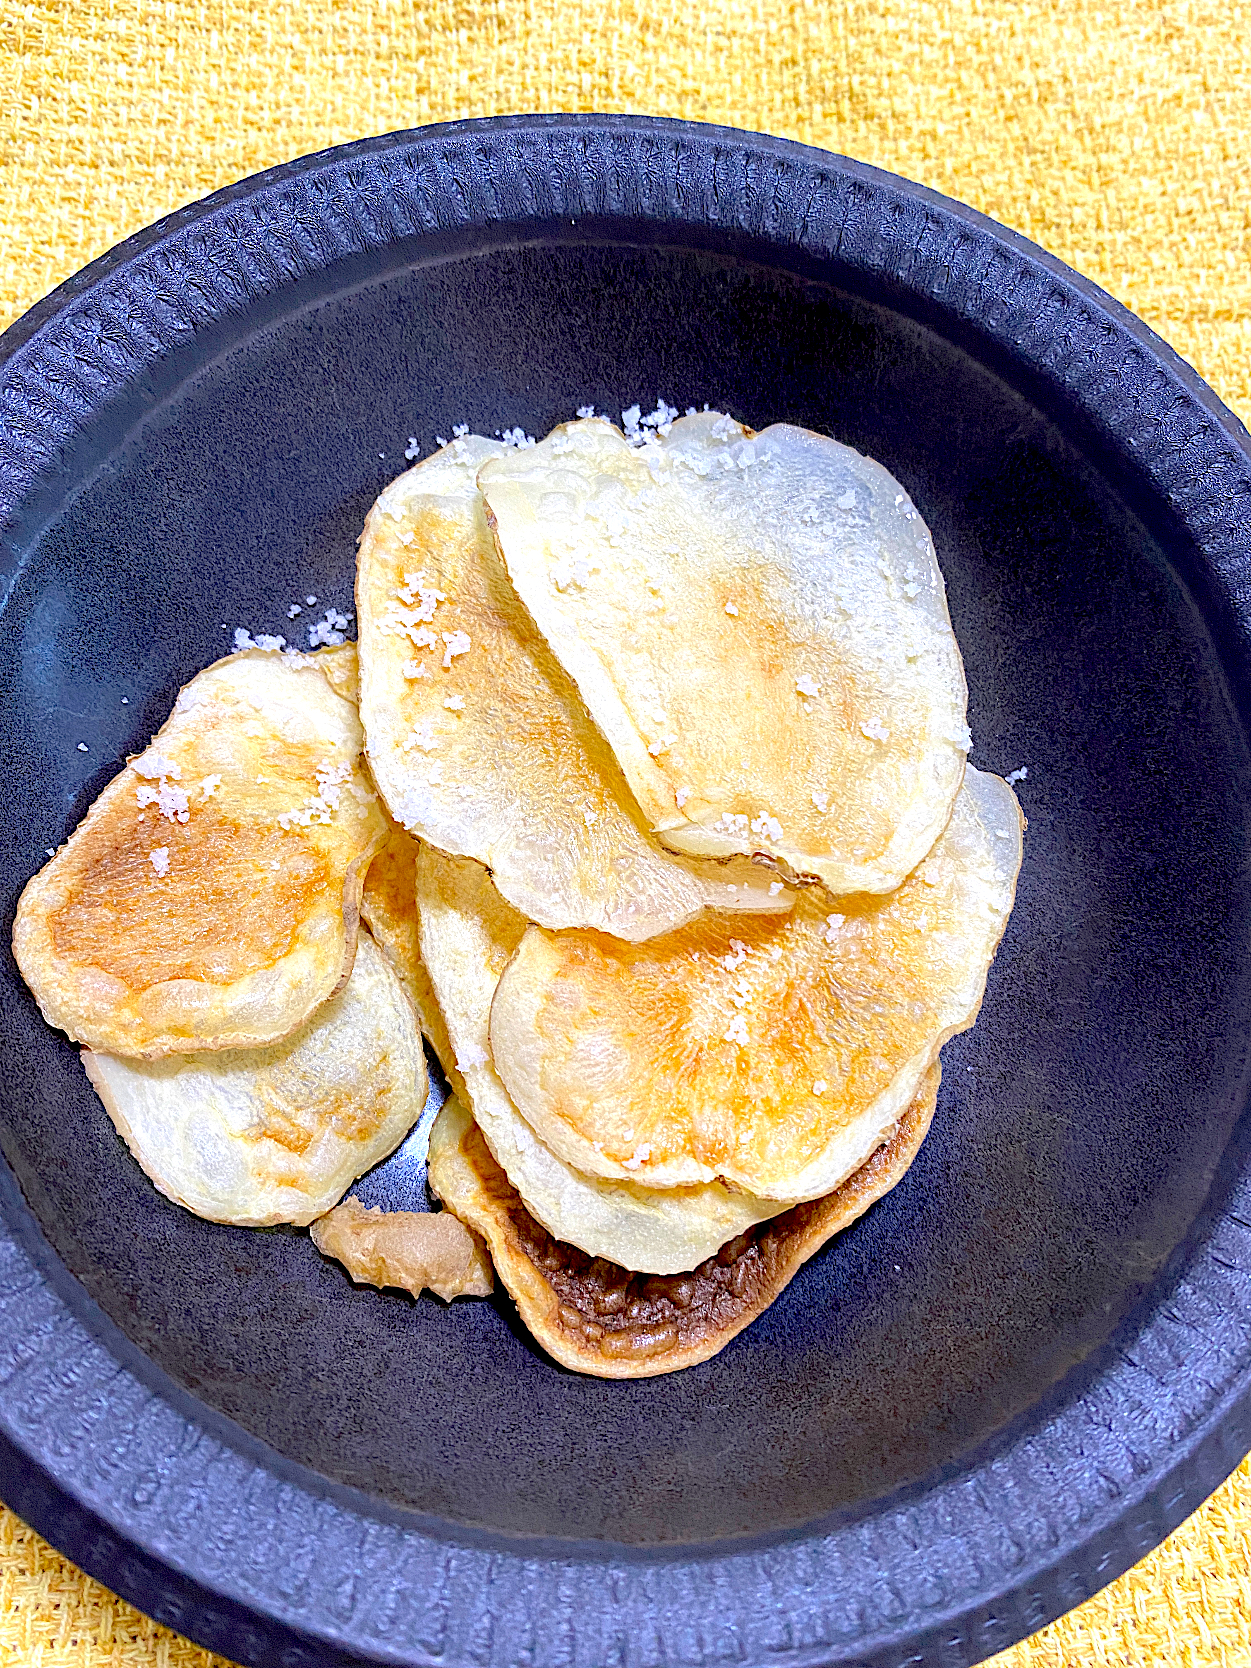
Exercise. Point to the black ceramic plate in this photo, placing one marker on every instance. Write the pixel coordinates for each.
(1021, 1369)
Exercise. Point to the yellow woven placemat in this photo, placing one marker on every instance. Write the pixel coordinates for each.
(1111, 131)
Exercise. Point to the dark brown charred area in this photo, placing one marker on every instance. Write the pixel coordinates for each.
(603, 1307)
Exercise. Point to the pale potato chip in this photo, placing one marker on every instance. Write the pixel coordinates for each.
(406, 1248)
(389, 910)
(772, 1053)
(597, 1318)
(209, 897)
(277, 1134)
(468, 935)
(758, 625)
(480, 744)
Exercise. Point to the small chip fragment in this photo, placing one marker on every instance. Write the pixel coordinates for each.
(413, 1250)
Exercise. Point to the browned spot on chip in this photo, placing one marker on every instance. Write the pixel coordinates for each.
(240, 895)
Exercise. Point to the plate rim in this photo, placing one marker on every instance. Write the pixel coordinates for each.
(815, 1596)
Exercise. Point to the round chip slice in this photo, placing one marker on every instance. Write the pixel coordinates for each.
(277, 1134)
(773, 1053)
(209, 897)
(479, 742)
(389, 910)
(758, 625)
(468, 934)
(597, 1318)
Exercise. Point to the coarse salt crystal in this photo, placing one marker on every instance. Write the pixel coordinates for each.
(875, 731)
(682, 795)
(455, 703)
(156, 764)
(457, 643)
(1017, 775)
(329, 630)
(775, 886)
(731, 609)
(807, 685)
(737, 1031)
(171, 802)
(820, 1086)
(424, 737)
(820, 800)
(159, 859)
(833, 925)
(244, 640)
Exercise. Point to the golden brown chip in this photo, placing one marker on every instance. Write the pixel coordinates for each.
(342, 670)
(757, 624)
(479, 742)
(595, 1317)
(771, 1053)
(209, 897)
(267, 1135)
(406, 1248)
(468, 935)
(389, 910)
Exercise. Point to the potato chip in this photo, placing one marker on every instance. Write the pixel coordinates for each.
(277, 1134)
(406, 1248)
(468, 935)
(389, 910)
(209, 897)
(597, 1318)
(770, 1053)
(758, 626)
(480, 744)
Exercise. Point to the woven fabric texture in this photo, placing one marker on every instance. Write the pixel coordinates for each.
(1111, 132)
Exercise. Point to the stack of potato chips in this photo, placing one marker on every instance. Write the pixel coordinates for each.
(687, 880)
